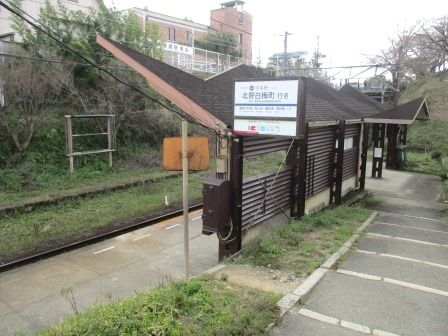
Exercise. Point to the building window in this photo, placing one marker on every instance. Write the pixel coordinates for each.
(171, 34)
(241, 17)
(189, 36)
(348, 143)
(241, 38)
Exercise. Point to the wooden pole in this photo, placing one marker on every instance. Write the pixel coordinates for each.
(109, 139)
(70, 142)
(364, 150)
(185, 196)
(302, 176)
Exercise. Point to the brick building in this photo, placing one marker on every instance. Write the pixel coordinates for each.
(32, 7)
(173, 29)
(229, 18)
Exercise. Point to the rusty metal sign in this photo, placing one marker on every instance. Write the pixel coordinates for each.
(198, 153)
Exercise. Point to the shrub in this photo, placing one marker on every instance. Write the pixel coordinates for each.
(436, 155)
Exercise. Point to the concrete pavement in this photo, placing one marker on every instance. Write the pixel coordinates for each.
(30, 296)
(396, 280)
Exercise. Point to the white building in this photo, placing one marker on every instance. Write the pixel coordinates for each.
(32, 7)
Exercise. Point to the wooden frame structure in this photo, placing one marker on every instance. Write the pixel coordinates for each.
(110, 126)
(318, 172)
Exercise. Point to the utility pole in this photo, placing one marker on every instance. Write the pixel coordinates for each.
(285, 55)
(317, 54)
(396, 77)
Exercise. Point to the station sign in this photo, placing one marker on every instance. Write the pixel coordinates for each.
(268, 107)
(178, 48)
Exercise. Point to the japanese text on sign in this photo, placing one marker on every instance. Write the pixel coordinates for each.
(276, 99)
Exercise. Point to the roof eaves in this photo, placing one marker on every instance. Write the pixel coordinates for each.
(160, 84)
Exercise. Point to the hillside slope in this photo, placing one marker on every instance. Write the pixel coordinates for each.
(435, 88)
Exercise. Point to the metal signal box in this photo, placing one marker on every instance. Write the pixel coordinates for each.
(216, 209)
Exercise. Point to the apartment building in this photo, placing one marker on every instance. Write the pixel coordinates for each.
(231, 17)
(32, 7)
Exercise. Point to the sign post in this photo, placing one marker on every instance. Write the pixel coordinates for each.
(185, 197)
(267, 107)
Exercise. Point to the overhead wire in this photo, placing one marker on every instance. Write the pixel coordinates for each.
(39, 26)
(57, 61)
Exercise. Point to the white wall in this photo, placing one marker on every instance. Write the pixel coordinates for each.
(322, 199)
(32, 7)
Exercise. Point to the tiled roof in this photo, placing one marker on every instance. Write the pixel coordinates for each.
(323, 103)
(215, 95)
(365, 105)
(212, 99)
(415, 109)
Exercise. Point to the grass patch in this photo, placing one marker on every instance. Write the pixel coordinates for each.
(430, 135)
(266, 163)
(47, 183)
(32, 179)
(427, 144)
(77, 218)
(445, 193)
(421, 162)
(200, 306)
(369, 201)
(303, 245)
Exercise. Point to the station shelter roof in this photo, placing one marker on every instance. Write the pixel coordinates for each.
(210, 101)
(405, 114)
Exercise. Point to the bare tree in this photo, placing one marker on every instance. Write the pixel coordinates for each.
(118, 99)
(397, 57)
(435, 45)
(29, 88)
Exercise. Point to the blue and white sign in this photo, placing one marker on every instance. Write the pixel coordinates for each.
(276, 99)
(266, 127)
(266, 107)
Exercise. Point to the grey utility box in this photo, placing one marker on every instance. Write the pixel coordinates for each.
(216, 208)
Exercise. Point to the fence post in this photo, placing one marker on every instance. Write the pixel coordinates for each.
(392, 150)
(303, 154)
(69, 141)
(291, 161)
(378, 137)
(109, 139)
(236, 179)
(364, 150)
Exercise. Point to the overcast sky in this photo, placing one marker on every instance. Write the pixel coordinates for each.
(349, 30)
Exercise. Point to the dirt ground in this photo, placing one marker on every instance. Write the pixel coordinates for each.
(261, 278)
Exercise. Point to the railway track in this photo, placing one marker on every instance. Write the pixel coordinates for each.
(93, 239)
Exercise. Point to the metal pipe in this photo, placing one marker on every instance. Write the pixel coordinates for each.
(185, 196)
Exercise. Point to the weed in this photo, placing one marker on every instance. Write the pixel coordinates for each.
(67, 293)
(301, 246)
(200, 306)
(223, 277)
(266, 163)
(369, 201)
(444, 197)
